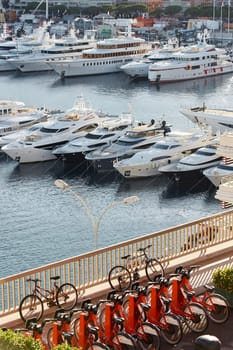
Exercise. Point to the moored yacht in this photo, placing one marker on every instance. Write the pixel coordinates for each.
(224, 169)
(108, 56)
(37, 61)
(191, 166)
(193, 62)
(107, 132)
(15, 115)
(219, 119)
(169, 150)
(139, 68)
(134, 140)
(38, 146)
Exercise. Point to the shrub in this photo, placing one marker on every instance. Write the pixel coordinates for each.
(10, 340)
(223, 279)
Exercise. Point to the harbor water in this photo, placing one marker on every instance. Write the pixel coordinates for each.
(40, 223)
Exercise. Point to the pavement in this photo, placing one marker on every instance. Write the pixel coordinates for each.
(224, 332)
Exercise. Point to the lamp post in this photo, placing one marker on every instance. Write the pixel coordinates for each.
(95, 223)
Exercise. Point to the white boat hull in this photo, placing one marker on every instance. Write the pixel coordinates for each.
(216, 175)
(82, 67)
(29, 154)
(185, 73)
(143, 170)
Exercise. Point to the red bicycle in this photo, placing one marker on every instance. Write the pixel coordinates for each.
(135, 309)
(215, 304)
(160, 314)
(86, 329)
(111, 320)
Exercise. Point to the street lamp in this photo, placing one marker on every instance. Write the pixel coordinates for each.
(95, 223)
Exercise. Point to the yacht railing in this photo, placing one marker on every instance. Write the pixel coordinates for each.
(91, 269)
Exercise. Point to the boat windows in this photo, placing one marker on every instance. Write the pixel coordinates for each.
(225, 167)
(52, 131)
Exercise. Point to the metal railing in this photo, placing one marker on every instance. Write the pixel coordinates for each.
(91, 269)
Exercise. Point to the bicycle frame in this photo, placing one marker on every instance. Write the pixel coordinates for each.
(40, 291)
(88, 328)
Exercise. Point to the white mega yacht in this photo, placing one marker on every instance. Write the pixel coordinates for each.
(108, 56)
(219, 119)
(38, 146)
(37, 61)
(170, 149)
(193, 62)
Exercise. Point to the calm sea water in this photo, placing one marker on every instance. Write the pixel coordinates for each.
(40, 224)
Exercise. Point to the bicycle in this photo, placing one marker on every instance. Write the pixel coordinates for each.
(215, 304)
(64, 296)
(135, 309)
(192, 313)
(121, 277)
(159, 314)
(32, 328)
(86, 329)
(61, 330)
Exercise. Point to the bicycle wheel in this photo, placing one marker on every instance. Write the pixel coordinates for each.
(153, 268)
(96, 346)
(124, 341)
(217, 308)
(196, 317)
(148, 336)
(66, 296)
(119, 278)
(171, 329)
(31, 306)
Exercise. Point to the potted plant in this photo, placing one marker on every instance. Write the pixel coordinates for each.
(223, 282)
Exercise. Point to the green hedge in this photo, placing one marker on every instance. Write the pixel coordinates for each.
(9, 340)
(223, 282)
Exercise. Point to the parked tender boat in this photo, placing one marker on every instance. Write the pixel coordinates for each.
(38, 146)
(224, 169)
(192, 166)
(197, 61)
(107, 132)
(167, 151)
(108, 56)
(139, 138)
(218, 119)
